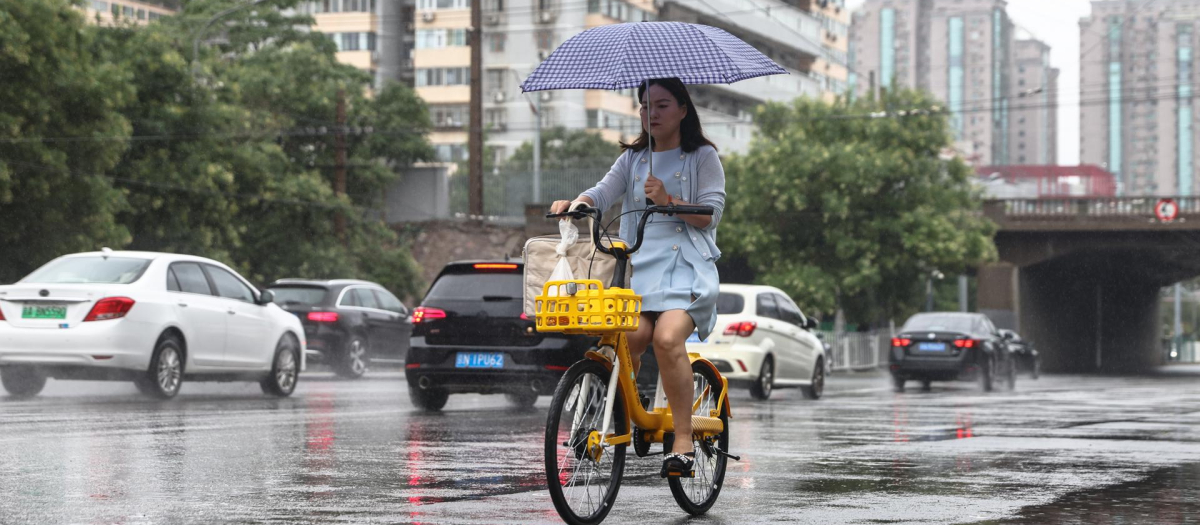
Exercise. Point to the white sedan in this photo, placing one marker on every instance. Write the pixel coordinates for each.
(153, 318)
(763, 341)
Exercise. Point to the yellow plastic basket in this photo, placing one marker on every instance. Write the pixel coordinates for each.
(583, 306)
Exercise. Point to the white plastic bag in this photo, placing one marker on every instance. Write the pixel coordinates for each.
(570, 234)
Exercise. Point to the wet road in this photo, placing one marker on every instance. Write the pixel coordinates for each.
(1058, 450)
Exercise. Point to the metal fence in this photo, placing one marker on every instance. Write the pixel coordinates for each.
(858, 350)
(506, 192)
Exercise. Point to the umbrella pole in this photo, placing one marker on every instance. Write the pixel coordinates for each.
(649, 136)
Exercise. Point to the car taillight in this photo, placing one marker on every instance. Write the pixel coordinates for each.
(966, 343)
(900, 342)
(742, 329)
(425, 313)
(323, 317)
(1, 315)
(495, 266)
(109, 308)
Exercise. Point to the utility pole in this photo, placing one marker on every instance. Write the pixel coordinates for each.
(537, 150)
(475, 134)
(339, 174)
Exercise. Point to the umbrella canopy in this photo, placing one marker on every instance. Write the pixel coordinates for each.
(622, 56)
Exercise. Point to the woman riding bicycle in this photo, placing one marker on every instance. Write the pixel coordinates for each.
(675, 271)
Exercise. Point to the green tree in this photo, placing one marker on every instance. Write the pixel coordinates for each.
(565, 149)
(844, 211)
(54, 196)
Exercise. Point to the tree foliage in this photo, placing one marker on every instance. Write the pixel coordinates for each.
(230, 154)
(848, 212)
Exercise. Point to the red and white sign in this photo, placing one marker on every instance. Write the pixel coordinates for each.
(1166, 210)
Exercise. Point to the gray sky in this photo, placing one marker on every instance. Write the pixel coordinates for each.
(1055, 22)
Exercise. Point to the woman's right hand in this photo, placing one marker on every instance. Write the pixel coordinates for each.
(559, 207)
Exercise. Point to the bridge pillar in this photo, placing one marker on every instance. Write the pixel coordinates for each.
(998, 294)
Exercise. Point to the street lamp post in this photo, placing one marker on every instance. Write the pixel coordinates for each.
(200, 32)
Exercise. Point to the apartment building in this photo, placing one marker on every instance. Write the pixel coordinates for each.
(1034, 110)
(1137, 74)
(111, 11)
(959, 50)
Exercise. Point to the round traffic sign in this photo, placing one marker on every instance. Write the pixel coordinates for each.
(1166, 210)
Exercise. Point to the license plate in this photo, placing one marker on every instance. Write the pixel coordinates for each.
(479, 360)
(931, 347)
(694, 338)
(44, 312)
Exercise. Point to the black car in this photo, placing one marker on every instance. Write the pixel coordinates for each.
(348, 323)
(471, 335)
(950, 346)
(1028, 359)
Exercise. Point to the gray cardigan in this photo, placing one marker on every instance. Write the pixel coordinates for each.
(704, 183)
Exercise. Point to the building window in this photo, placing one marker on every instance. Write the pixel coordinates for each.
(451, 152)
(493, 79)
(440, 38)
(443, 76)
(496, 42)
(450, 115)
(431, 5)
(496, 118)
(97, 5)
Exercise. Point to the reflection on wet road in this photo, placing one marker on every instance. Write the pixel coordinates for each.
(1058, 450)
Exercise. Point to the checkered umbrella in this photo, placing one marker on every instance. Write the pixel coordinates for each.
(622, 56)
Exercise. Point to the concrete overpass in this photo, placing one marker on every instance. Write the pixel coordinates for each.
(1081, 277)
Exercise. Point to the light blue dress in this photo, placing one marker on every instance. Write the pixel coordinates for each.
(668, 270)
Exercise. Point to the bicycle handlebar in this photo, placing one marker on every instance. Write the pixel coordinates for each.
(586, 211)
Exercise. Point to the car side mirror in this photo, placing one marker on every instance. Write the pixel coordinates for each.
(1008, 336)
(810, 323)
(266, 297)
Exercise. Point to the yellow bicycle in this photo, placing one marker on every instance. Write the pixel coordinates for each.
(597, 411)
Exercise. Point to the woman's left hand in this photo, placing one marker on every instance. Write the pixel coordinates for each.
(655, 191)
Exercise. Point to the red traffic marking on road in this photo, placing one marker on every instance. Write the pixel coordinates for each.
(1166, 210)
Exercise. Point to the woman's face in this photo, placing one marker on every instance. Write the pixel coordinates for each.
(661, 113)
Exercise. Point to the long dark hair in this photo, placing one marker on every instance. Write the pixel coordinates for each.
(691, 135)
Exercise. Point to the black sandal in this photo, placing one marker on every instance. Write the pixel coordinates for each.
(679, 465)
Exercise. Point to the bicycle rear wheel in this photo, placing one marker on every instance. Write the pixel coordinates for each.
(697, 494)
(583, 478)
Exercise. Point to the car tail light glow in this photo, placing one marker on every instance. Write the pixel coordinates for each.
(323, 317)
(966, 343)
(109, 308)
(1, 315)
(425, 313)
(901, 342)
(495, 266)
(557, 368)
(742, 329)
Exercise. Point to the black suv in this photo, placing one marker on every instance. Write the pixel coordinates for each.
(471, 335)
(347, 323)
(948, 346)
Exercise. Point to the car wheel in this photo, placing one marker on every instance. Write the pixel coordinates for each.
(522, 399)
(22, 381)
(898, 383)
(353, 362)
(164, 377)
(926, 385)
(985, 376)
(285, 368)
(432, 399)
(761, 388)
(817, 388)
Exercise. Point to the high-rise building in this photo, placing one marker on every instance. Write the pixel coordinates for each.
(1033, 113)
(959, 50)
(139, 12)
(373, 35)
(1137, 116)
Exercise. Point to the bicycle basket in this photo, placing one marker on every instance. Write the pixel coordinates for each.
(584, 306)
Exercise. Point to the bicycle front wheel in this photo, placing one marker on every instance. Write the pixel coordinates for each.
(583, 477)
(697, 494)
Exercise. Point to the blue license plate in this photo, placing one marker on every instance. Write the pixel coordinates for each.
(694, 338)
(931, 347)
(479, 360)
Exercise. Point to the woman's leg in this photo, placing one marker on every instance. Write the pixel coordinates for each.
(670, 333)
(638, 340)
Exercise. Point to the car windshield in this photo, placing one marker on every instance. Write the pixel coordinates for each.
(940, 323)
(730, 303)
(491, 286)
(301, 295)
(89, 270)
